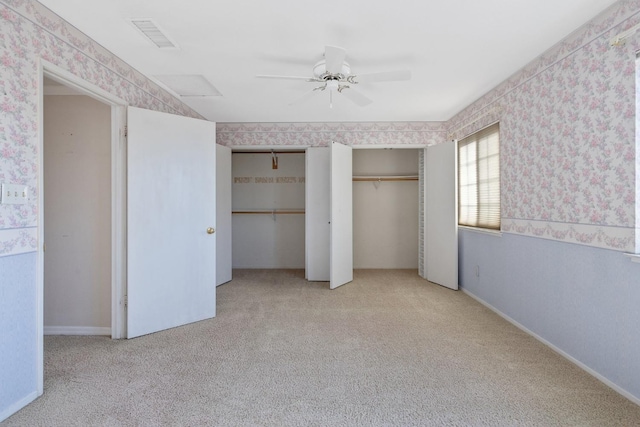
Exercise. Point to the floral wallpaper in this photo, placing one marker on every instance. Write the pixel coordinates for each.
(321, 134)
(567, 135)
(569, 158)
(637, 181)
(28, 32)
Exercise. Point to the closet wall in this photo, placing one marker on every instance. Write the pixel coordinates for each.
(77, 215)
(268, 210)
(385, 213)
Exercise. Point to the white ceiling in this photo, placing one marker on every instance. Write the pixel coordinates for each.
(457, 50)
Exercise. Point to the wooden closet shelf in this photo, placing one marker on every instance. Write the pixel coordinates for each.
(269, 152)
(385, 178)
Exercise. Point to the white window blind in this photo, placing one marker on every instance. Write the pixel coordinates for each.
(479, 179)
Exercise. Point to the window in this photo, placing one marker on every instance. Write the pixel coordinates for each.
(479, 179)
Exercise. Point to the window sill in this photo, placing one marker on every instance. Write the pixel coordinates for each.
(494, 233)
(634, 257)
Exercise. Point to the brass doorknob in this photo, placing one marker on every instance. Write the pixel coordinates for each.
(211, 230)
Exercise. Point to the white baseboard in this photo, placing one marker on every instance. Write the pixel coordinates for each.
(18, 405)
(76, 330)
(605, 380)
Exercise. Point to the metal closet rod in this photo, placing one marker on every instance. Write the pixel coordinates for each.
(269, 212)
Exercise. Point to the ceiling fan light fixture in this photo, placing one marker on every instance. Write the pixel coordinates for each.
(333, 85)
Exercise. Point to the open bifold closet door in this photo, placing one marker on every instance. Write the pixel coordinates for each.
(224, 272)
(441, 214)
(341, 255)
(318, 214)
(329, 219)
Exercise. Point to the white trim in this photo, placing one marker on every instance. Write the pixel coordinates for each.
(603, 379)
(64, 77)
(60, 90)
(267, 148)
(118, 218)
(39, 244)
(389, 146)
(77, 330)
(488, 231)
(477, 117)
(18, 405)
(118, 221)
(422, 212)
(634, 257)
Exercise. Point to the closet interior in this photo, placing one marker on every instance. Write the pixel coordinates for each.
(268, 209)
(268, 206)
(385, 208)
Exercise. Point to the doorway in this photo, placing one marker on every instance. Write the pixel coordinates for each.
(116, 192)
(77, 212)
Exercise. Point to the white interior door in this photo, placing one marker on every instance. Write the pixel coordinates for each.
(171, 204)
(317, 214)
(341, 240)
(441, 214)
(223, 214)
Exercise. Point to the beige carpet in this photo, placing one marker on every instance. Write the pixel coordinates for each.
(387, 349)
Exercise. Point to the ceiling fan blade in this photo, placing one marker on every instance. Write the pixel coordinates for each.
(334, 57)
(304, 97)
(384, 76)
(263, 76)
(284, 59)
(356, 97)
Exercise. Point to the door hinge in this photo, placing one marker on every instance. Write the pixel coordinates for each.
(125, 300)
(126, 131)
(44, 247)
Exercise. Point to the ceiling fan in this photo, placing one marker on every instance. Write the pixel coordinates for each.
(334, 75)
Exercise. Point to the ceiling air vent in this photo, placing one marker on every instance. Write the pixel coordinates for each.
(151, 31)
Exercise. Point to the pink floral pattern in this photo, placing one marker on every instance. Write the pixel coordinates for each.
(18, 241)
(321, 134)
(569, 141)
(567, 131)
(568, 125)
(583, 234)
(28, 32)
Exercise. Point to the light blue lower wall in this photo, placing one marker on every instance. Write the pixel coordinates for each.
(18, 352)
(583, 300)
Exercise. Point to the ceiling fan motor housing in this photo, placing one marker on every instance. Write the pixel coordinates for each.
(320, 71)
